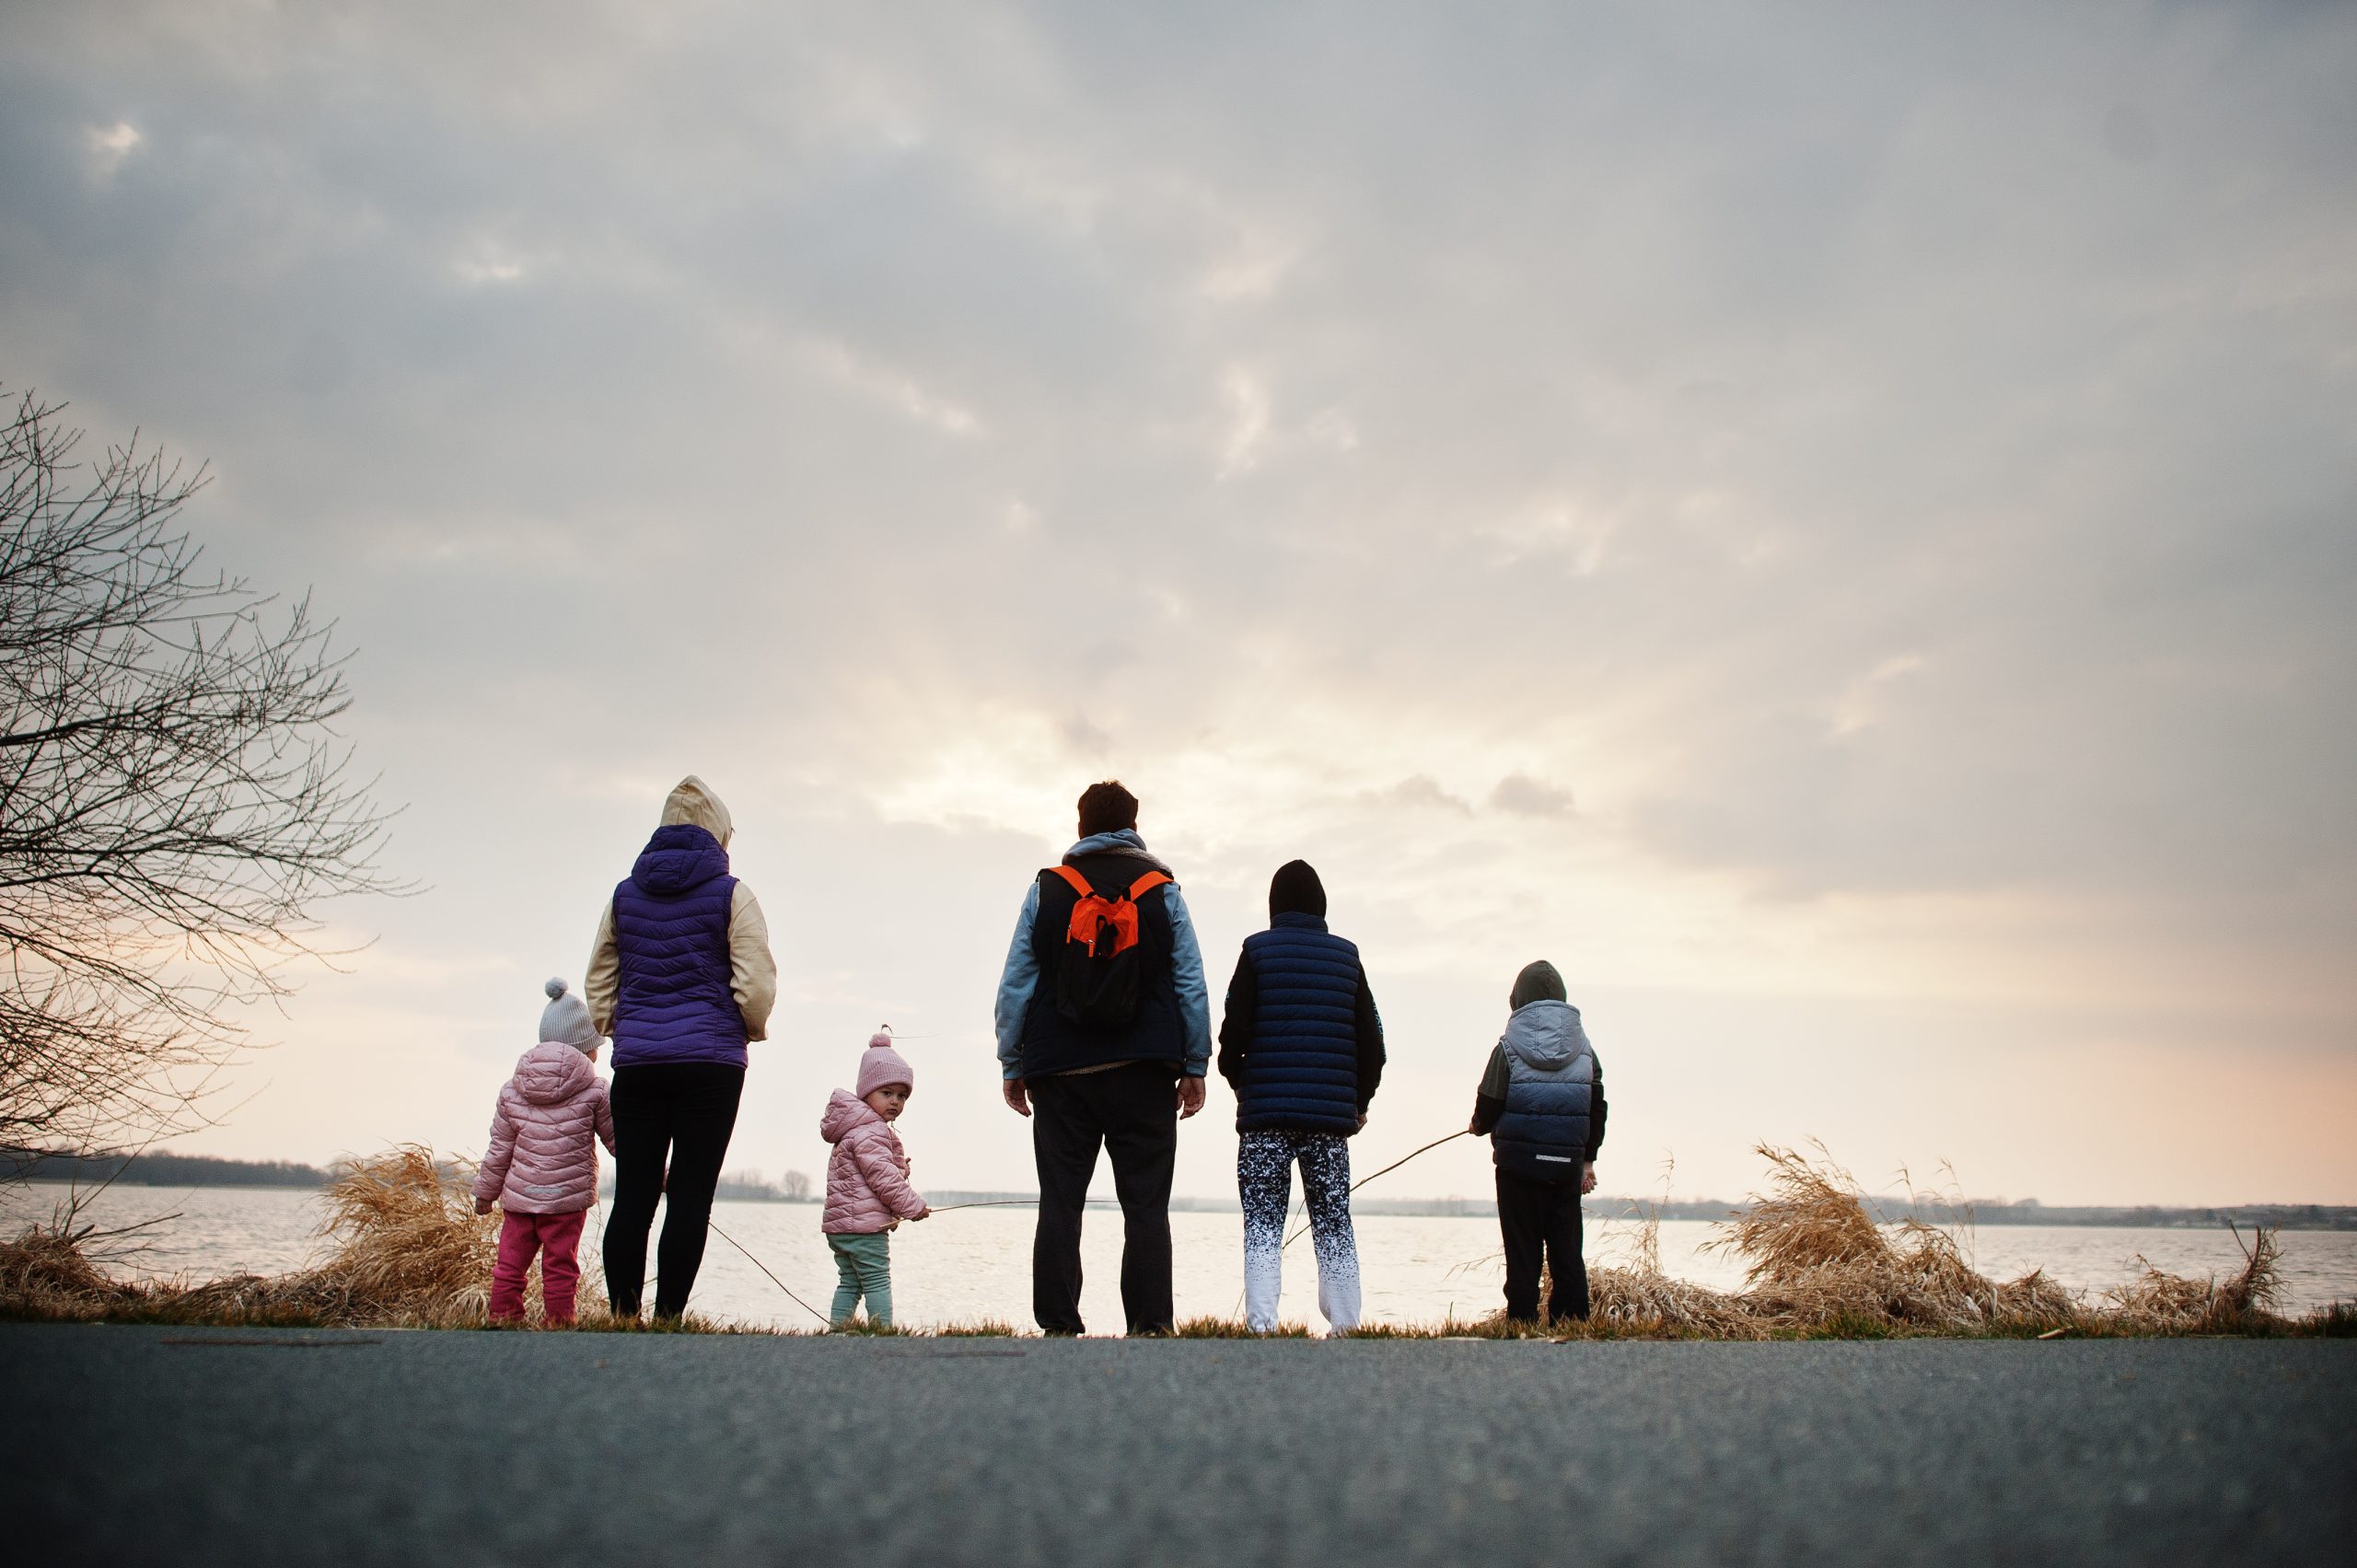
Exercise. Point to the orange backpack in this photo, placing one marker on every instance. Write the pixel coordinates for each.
(1097, 969)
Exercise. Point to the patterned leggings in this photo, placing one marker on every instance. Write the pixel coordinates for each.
(1264, 1162)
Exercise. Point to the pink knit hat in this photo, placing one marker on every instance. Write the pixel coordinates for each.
(880, 1064)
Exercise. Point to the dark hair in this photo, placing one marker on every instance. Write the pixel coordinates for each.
(1107, 808)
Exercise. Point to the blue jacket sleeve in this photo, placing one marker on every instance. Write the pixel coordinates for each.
(1187, 974)
(1016, 983)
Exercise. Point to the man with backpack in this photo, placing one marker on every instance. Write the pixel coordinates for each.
(1104, 1035)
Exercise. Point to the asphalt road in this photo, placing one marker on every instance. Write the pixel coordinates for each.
(203, 1447)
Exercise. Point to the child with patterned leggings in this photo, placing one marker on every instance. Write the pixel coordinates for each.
(1302, 1046)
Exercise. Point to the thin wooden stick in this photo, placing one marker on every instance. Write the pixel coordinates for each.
(773, 1279)
(1386, 1170)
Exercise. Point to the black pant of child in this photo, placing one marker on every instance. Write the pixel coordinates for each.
(1532, 1215)
(1131, 1110)
(680, 1112)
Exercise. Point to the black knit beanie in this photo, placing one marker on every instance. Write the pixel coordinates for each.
(1538, 983)
(1295, 889)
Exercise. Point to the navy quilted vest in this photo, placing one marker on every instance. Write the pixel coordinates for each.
(1551, 1078)
(1302, 1072)
(677, 1002)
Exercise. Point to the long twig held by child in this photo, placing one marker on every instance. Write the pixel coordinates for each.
(1386, 1170)
(773, 1279)
(1009, 1203)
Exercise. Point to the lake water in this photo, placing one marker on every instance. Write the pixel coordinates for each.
(976, 1263)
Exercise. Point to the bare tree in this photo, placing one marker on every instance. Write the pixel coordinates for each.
(174, 803)
(796, 1186)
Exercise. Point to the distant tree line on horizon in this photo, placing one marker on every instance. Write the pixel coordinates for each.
(162, 1169)
(209, 1170)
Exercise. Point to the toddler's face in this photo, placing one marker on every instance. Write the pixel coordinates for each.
(887, 1101)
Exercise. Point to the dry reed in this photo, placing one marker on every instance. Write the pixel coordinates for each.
(1816, 1263)
(409, 1251)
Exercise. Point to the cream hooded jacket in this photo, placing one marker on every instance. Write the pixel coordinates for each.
(752, 972)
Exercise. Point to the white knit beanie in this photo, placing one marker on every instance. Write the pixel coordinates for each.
(567, 1018)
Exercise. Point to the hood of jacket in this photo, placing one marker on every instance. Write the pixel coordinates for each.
(1122, 842)
(551, 1073)
(846, 1112)
(1546, 1035)
(1538, 983)
(691, 803)
(680, 856)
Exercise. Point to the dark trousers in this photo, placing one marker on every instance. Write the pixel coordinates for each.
(1535, 1215)
(1132, 1112)
(680, 1113)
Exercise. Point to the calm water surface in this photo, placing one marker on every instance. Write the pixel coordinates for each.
(976, 1263)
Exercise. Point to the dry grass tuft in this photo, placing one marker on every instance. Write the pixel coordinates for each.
(978, 1328)
(1816, 1260)
(1817, 1265)
(2172, 1303)
(47, 1272)
(410, 1251)
(1234, 1329)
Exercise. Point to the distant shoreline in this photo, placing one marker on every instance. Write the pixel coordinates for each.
(204, 1170)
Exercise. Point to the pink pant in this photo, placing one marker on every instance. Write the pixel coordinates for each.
(520, 1235)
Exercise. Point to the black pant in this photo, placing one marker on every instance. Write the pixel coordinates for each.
(1533, 1214)
(680, 1112)
(1133, 1112)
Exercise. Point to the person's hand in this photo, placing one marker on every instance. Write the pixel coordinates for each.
(483, 1205)
(1473, 1125)
(1191, 1095)
(923, 1214)
(1362, 1121)
(1587, 1177)
(1019, 1100)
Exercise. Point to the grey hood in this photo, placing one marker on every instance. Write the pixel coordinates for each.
(1545, 1035)
(1123, 841)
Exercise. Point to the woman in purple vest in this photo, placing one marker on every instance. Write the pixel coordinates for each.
(681, 977)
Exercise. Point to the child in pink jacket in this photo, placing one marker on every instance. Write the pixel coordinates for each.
(542, 1162)
(867, 1181)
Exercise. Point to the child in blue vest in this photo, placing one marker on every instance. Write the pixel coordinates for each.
(1302, 1046)
(1541, 1102)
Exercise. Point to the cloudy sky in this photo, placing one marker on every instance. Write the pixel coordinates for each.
(1837, 525)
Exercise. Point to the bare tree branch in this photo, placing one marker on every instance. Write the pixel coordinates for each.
(174, 799)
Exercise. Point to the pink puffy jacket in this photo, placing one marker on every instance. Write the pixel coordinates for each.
(867, 1176)
(552, 1113)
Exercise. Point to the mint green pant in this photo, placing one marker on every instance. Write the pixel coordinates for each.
(864, 1264)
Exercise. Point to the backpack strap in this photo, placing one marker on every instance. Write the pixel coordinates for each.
(1148, 883)
(1079, 883)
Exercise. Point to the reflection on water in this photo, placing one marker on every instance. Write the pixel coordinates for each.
(976, 1263)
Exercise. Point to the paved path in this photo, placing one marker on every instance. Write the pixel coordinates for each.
(203, 1447)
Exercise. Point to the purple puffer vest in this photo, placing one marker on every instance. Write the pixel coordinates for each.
(677, 1002)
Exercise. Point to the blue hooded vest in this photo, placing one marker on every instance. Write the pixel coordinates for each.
(1550, 1078)
(677, 999)
(1302, 1073)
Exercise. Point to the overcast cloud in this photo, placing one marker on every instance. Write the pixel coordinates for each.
(1837, 525)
